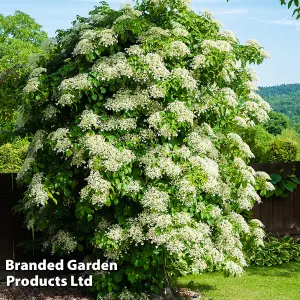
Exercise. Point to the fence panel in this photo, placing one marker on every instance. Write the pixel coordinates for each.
(281, 216)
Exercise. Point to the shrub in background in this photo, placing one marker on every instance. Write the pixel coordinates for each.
(259, 140)
(275, 252)
(282, 150)
(136, 156)
(12, 156)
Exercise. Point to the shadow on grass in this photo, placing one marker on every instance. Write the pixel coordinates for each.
(195, 286)
(287, 270)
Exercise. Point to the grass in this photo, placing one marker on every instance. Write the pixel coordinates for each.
(258, 283)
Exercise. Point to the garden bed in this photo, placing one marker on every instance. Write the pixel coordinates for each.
(42, 293)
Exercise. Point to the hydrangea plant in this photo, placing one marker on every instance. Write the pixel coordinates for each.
(137, 156)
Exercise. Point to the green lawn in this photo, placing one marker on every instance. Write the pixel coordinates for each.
(258, 283)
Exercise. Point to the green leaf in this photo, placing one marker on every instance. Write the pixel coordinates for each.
(275, 178)
(90, 217)
(278, 191)
(287, 186)
(295, 179)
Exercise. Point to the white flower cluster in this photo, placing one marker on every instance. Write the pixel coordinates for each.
(107, 37)
(179, 31)
(253, 109)
(65, 99)
(90, 39)
(230, 97)
(126, 99)
(157, 162)
(210, 168)
(78, 82)
(247, 197)
(186, 191)
(155, 200)
(98, 187)
(38, 194)
(163, 2)
(63, 240)
(50, 112)
(202, 144)
(156, 92)
(255, 44)
(186, 78)
(182, 112)
(178, 49)
(156, 65)
(112, 159)
(199, 61)
(61, 139)
(32, 85)
(237, 141)
(129, 14)
(134, 186)
(135, 50)
(89, 120)
(113, 67)
(222, 46)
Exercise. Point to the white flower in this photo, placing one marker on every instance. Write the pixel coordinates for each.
(66, 99)
(32, 85)
(83, 47)
(199, 61)
(113, 67)
(89, 120)
(186, 78)
(156, 65)
(178, 49)
(38, 194)
(61, 139)
(50, 112)
(155, 200)
(183, 113)
(78, 82)
(63, 240)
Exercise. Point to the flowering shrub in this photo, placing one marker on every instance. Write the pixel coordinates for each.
(136, 156)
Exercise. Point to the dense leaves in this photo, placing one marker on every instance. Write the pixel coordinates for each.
(136, 156)
(275, 252)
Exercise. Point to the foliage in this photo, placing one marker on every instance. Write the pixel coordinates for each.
(136, 156)
(293, 135)
(259, 140)
(283, 185)
(282, 150)
(277, 123)
(284, 99)
(12, 156)
(20, 37)
(275, 252)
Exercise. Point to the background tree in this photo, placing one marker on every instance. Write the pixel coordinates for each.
(136, 156)
(20, 38)
(277, 123)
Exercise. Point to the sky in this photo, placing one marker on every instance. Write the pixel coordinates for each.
(263, 20)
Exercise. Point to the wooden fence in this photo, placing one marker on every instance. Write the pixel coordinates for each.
(281, 216)
(12, 229)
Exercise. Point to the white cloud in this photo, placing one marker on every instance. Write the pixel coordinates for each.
(232, 11)
(284, 22)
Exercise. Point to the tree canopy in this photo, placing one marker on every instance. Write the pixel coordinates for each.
(136, 156)
(20, 37)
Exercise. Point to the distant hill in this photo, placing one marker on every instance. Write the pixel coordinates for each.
(284, 98)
